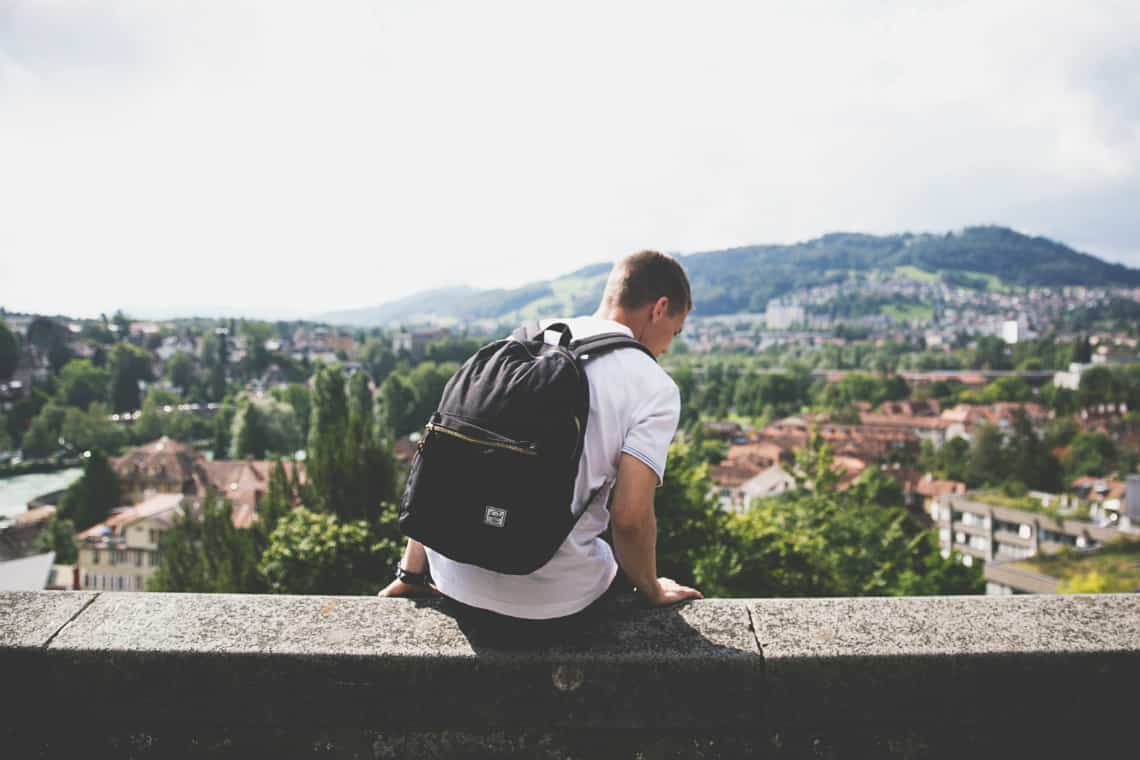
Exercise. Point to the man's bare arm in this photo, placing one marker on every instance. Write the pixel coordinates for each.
(414, 561)
(635, 533)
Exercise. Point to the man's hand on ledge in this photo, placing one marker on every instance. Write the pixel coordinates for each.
(668, 591)
(399, 588)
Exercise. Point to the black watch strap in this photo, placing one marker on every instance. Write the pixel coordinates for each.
(413, 579)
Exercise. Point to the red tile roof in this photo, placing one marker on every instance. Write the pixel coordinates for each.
(156, 505)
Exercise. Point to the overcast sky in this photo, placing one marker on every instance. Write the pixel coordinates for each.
(294, 157)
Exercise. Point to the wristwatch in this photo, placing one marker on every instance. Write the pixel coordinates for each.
(413, 579)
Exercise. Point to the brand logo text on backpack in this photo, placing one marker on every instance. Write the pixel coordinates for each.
(495, 517)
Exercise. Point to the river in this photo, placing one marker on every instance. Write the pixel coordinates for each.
(16, 492)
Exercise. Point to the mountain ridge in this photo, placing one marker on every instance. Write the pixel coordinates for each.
(745, 278)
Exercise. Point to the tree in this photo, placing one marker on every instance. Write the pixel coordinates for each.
(316, 553)
(122, 325)
(991, 352)
(152, 417)
(249, 435)
(215, 357)
(50, 338)
(129, 367)
(1028, 459)
(280, 498)
(378, 359)
(348, 461)
(262, 426)
(1091, 582)
(296, 395)
(205, 553)
(398, 405)
(92, 429)
(690, 526)
(90, 499)
(373, 464)
(1082, 350)
(827, 542)
(1098, 386)
(180, 371)
(81, 383)
(42, 436)
(950, 462)
(1090, 453)
(223, 420)
(9, 351)
(58, 536)
(986, 460)
(428, 379)
(327, 456)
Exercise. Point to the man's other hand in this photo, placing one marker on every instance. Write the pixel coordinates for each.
(399, 588)
(668, 591)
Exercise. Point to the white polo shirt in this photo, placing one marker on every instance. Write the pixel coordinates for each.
(634, 409)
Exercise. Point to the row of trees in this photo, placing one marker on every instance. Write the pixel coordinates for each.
(332, 533)
(719, 389)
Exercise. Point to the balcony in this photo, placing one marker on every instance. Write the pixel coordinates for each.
(171, 675)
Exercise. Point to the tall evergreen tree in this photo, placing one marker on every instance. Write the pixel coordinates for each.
(327, 461)
(205, 553)
(58, 536)
(90, 499)
(252, 436)
(398, 404)
(373, 463)
(129, 367)
(9, 351)
(279, 499)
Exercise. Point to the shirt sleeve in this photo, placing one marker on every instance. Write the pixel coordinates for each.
(654, 424)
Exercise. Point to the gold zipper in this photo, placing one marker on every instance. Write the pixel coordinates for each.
(448, 431)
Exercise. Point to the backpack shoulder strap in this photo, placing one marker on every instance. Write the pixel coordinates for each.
(602, 344)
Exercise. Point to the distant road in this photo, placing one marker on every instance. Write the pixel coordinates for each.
(936, 374)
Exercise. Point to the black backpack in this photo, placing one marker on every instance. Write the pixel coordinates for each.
(492, 480)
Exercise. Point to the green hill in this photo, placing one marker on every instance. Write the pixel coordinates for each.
(745, 279)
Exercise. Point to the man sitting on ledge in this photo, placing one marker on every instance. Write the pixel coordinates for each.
(634, 410)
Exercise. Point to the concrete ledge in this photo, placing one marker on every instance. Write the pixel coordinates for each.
(161, 675)
(1022, 660)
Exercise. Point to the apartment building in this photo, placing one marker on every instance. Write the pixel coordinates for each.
(992, 533)
(120, 553)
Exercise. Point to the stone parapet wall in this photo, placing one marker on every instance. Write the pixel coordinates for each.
(174, 675)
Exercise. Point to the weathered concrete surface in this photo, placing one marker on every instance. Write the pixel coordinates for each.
(29, 619)
(1025, 660)
(396, 663)
(169, 675)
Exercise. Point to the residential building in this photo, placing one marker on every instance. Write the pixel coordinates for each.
(781, 316)
(771, 482)
(415, 341)
(120, 553)
(983, 532)
(167, 466)
(26, 573)
(1114, 567)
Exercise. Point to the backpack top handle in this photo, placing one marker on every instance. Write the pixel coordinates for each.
(532, 330)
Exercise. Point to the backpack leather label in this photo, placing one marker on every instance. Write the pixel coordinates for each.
(495, 517)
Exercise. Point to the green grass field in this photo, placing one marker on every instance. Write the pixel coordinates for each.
(993, 282)
(915, 273)
(909, 312)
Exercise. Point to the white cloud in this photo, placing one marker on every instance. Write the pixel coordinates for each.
(279, 156)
